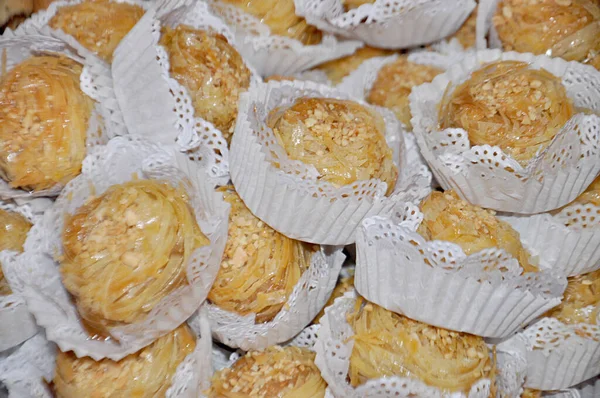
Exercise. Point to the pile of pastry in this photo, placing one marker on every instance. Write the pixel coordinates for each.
(300, 198)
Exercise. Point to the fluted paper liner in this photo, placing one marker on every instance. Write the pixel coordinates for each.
(485, 175)
(121, 160)
(291, 199)
(588, 389)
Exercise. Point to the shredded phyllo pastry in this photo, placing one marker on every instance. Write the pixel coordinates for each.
(13, 232)
(260, 266)
(127, 250)
(288, 372)
(394, 83)
(529, 393)
(44, 119)
(388, 344)
(280, 16)
(145, 374)
(569, 29)
(509, 105)
(211, 70)
(337, 69)
(591, 194)
(581, 300)
(343, 286)
(98, 25)
(352, 4)
(448, 218)
(342, 139)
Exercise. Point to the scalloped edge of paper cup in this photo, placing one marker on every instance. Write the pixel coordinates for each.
(322, 214)
(482, 174)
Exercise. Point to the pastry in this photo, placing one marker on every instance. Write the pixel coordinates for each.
(446, 217)
(277, 372)
(581, 300)
(388, 344)
(260, 266)
(591, 195)
(39, 5)
(568, 29)
(342, 139)
(529, 393)
(13, 11)
(343, 286)
(211, 70)
(98, 25)
(145, 374)
(13, 232)
(509, 105)
(44, 119)
(126, 250)
(339, 68)
(466, 34)
(353, 4)
(394, 84)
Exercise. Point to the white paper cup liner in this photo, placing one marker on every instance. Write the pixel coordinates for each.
(486, 34)
(24, 370)
(482, 174)
(559, 356)
(291, 199)
(457, 292)
(306, 300)
(387, 23)
(47, 299)
(334, 347)
(568, 250)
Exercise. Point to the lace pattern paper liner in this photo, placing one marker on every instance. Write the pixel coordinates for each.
(388, 23)
(483, 293)
(20, 48)
(269, 192)
(485, 175)
(334, 347)
(47, 298)
(278, 55)
(308, 298)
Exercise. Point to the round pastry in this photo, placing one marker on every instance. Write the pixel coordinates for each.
(581, 300)
(509, 105)
(211, 70)
(339, 68)
(342, 139)
(276, 372)
(446, 217)
(388, 344)
(343, 286)
(13, 232)
(44, 119)
(98, 25)
(145, 374)
(280, 16)
(260, 266)
(394, 84)
(126, 250)
(568, 29)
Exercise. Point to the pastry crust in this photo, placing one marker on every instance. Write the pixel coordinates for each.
(446, 217)
(145, 374)
(276, 372)
(509, 105)
(389, 344)
(394, 84)
(591, 194)
(260, 266)
(13, 233)
(342, 139)
(211, 70)
(98, 25)
(581, 300)
(44, 119)
(14, 8)
(126, 250)
(339, 68)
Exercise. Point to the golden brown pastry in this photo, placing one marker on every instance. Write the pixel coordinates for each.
(582, 291)
(466, 34)
(509, 105)
(288, 372)
(591, 194)
(13, 233)
(98, 25)
(211, 70)
(280, 16)
(342, 139)
(44, 118)
(260, 266)
(279, 78)
(529, 393)
(388, 344)
(352, 4)
(39, 5)
(12, 10)
(569, 29)
(145, 374)
(126, 250)
(447, 217)
(339, 68)
(343, 286)
(394, 83)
